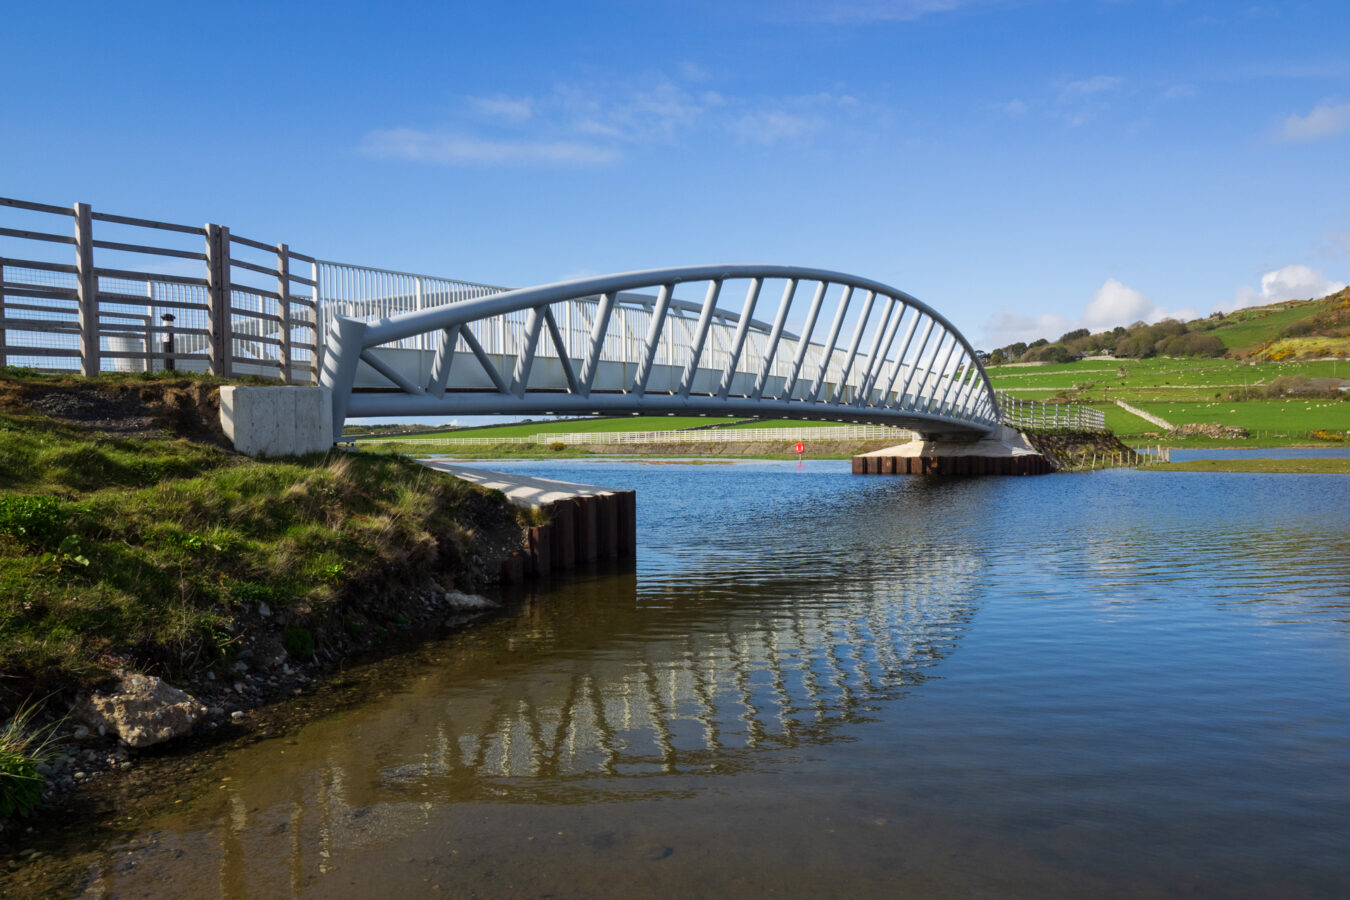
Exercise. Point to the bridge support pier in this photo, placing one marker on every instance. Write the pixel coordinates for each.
(1005, 452)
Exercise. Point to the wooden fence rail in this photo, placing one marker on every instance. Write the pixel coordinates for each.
(125, 301)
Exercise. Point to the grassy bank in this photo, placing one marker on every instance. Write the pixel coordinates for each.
(150, 551)
(1313, 466)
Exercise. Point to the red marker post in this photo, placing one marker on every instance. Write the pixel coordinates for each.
(799, 449)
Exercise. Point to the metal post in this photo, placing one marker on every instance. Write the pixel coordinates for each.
(341, 357)
(149, 326)
(284, 308)
(86, 291)
(316, 324)
(169, 362)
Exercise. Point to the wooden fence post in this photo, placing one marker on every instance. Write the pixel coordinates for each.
(316, 325)
(284, 308)
(218, 293)
(86, 290)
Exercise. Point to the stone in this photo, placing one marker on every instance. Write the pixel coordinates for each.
(81, 732)
(142, 710)
(456, 600)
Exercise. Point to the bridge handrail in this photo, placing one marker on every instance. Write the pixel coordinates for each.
(1021, 413)
(683, 436)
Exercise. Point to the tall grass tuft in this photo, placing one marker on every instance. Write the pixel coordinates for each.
(22, 749)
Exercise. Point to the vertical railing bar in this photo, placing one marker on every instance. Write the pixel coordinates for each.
(442, 362)
(804, 345)
(591, 365)
(705, 318)
(900, 356)
(572, 386)
(876, 357)
(828, 348)
(918, 358)
(525, 358)
(742, 329)
(959, 368)
(936, 372)
(858, 329)
(963, 393)
(771, 348)
(653, 343)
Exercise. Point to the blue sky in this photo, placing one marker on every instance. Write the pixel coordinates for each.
(1024, 166)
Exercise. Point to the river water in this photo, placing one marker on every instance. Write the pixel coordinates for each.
(813, 684)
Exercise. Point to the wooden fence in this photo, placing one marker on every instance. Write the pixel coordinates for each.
(128, 300)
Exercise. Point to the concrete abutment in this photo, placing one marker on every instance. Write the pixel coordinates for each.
(1005, 452)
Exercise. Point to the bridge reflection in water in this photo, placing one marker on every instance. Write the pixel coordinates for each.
(605, 690)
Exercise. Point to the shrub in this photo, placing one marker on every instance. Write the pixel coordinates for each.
(555, 446)
(34, 520)
(22, 750)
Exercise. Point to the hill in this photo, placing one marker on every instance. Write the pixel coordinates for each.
(1289, 330)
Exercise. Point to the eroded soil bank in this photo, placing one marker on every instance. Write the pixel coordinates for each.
(132, 540)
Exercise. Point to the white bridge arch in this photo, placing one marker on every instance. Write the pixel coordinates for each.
(627, 344)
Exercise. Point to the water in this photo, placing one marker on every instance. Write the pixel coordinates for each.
(814, 684)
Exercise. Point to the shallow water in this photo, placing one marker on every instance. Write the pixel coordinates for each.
(815, 684)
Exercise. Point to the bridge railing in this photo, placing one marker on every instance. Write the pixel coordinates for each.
(784, 436)
(1037, 415)
(89, 291)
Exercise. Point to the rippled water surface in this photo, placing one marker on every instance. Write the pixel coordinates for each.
(816, 684)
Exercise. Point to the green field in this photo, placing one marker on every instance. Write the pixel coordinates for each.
(1188, 391)
(1316, 466)
(1155, 376)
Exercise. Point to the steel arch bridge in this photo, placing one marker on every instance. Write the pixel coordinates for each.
(627, 344)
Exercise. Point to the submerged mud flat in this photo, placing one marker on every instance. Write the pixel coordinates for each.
(1123, 683)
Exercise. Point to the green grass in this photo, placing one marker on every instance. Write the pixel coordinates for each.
(22, 749)
(1315, 466)
(1245, 329)
(1293, 417)
(139, 552)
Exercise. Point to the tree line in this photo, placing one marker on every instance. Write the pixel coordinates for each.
(1138, 341)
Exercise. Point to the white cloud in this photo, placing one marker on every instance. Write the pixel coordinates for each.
(454, 149)
(769, 126)
(1086, 87)
(857, 12)
(1324, 121)
(1290, 283)
(1112, 304)
(1015, 108)
(1081, 100)
(1115, 304)
(1178, 92)
(594, 124)
(509, 109)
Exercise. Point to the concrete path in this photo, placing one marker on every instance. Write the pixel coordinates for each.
(522, 490)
